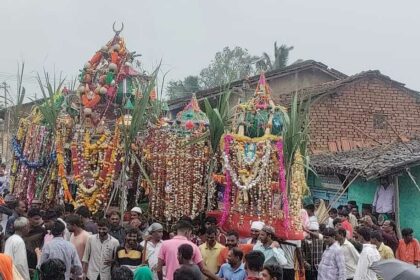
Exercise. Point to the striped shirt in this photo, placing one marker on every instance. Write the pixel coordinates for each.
(130, 258)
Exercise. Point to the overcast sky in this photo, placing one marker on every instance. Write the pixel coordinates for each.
(350, 36)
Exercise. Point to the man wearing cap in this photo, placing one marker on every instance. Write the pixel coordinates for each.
(136, 220)
(271, 249)
(151, 246)
(36, 204)
(256, 228)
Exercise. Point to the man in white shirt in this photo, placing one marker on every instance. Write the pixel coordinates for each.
(351, 255)
(256, 228)
(15, 246)
(368, 256)
(384, 199)
(99, 253)
(271, 249)
(152, 246)
(333, 215)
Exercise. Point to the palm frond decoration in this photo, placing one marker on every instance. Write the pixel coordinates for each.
(52, 98)
(296, 135)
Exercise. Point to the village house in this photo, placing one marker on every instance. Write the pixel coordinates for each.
(291, 78)
(362, 127)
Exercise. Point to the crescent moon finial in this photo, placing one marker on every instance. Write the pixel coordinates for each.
(117, 32)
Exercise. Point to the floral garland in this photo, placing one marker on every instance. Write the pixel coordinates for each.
(36, 164)
(61, 169)
(226, 196)
(97, 159)
(178, 173)
(254, 181)
(282, 184)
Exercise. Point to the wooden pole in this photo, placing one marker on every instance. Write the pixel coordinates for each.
(397, 207)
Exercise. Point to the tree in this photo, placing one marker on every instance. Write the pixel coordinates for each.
(188, 86)
(281, 57)
(228, 65)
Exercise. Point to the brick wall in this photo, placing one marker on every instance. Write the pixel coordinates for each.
(347, 117)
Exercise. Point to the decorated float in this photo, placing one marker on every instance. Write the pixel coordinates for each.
(106, 142)
(254, 172)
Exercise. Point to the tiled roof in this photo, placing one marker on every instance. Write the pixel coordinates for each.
(370, 162)
(202, 94)
(331, 87)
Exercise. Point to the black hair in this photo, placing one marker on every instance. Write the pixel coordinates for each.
(59, 209)
(184, 225)
(185, 273)
(50, 214)
(333, 211)
(233, 233)
(115, 213)
(344, 213)
(83, 211)
(393, 225)
(211, 220)
(330, 232)
(186, 218)
(237, 253)
(310, 207)
(336, 221)
(254, 260)
(367, 207)
(342, 232)
(274, 270)
(122, 273)
(68, 207)
(377, 235)
(186, 251)
(352, 202)
(103, 223)
(340, 207)
(75, 220)
(406, 232)
(53, 269)
(132, 230)
(34, 212)
(365, 232)
(211, 230)
(58, 228)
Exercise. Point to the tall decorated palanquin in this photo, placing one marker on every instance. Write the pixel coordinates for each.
(254, 181)
(177, 166)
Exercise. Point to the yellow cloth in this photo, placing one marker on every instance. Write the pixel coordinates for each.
(211, 256)
(385, 252)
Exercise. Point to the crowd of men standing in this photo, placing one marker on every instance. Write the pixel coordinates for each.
(66, 243)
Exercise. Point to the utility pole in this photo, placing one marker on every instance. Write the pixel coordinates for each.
(4, 86)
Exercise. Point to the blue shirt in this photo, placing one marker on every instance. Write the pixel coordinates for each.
(226, 272)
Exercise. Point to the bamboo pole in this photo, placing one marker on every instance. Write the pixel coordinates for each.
(397, 207)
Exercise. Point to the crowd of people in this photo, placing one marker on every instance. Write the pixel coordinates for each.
(67, 243)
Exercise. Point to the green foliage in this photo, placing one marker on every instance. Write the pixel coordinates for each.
(144, 111)
(281, 57)
(296, 134)
(20, 96)
(188, 86)
(219, 119)
(53, 99)
(228, 65)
